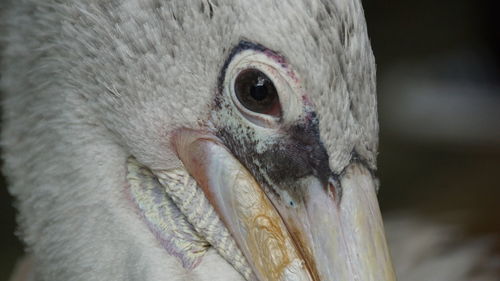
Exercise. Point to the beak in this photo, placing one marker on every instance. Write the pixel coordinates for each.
(318, 238)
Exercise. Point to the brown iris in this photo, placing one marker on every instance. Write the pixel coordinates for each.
(257, 93)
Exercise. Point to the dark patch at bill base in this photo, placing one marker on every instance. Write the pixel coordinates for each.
(298, 154)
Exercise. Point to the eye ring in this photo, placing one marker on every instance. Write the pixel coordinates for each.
(257, 92)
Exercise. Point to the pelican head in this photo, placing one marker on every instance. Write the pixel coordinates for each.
(194, 140)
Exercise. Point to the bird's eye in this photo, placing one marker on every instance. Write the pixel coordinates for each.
(256, 92)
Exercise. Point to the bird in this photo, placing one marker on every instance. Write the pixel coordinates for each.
(196, 140)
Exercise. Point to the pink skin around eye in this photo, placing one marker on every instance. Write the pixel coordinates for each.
(306, 100)
(277, 58)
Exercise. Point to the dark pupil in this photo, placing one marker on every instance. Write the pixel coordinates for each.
(256, 91)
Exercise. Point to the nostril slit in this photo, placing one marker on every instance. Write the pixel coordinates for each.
(334, 189)
(331, 188)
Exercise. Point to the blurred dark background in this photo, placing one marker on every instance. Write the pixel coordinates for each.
(439, 106)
